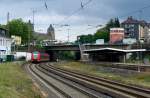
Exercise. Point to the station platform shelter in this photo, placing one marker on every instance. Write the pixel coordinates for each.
(113, 54)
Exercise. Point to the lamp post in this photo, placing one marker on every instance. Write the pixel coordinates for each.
(140, 56)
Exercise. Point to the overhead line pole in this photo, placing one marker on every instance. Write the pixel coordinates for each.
(33, 18)
(68, 36)
(8, 17)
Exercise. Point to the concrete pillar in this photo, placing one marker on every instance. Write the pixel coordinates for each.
(125, 58)
(77, 56)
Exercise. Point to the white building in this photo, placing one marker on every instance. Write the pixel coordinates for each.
(100, 42)
(5, 44)
(129, 41)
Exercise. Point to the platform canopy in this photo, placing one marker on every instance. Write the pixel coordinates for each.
(114, 50)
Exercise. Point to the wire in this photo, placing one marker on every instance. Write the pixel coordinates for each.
(76, 11)
(133, 12)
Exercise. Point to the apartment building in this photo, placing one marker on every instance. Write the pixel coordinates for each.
(135, 29)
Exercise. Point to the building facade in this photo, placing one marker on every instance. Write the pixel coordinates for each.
(5, 44)
(116, 35)
(135, 29)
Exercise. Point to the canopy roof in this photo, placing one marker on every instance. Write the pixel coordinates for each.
(115, 50)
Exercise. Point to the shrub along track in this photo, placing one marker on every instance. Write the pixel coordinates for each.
(100, 85)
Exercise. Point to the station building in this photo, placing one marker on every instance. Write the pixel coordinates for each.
(5, 44)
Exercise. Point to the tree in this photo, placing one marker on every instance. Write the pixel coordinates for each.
(112, 23)
(19, 28)
(86, 39)
(102, 33)
(117, 23)
(3, 26)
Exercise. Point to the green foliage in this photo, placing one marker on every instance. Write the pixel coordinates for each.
(112, 23)
(102, 33)
(67, 55)
(3, 26)
(141, 79)
(14, 83)
(86, 39)
(19, 28)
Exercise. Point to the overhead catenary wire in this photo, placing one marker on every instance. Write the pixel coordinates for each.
(140, 11)
(76, 11)
(83, 5)
(136, 11)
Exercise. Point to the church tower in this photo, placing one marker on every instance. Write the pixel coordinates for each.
(51, 32)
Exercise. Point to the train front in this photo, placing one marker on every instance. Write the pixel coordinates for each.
(35, 57)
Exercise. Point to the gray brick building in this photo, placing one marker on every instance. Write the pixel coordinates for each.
(135, 29)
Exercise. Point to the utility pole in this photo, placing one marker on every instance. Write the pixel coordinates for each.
(33, 18)
(29, 24)
(68, 36)
(8, 23)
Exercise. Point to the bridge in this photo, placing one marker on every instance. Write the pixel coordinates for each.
(87, 47)
(53, 50)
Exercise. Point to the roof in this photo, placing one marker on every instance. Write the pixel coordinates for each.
(116, 28)
(131, 20)
(115, 50)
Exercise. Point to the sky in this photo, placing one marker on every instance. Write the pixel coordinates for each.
(83, 21)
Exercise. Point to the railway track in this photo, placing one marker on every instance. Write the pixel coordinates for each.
(126, 66)
(62, 94)
(107, 87)
(71, 83)
(83, 93)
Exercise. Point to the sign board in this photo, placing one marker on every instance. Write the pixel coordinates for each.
(129, 41)
(100, 41)
(16, 39)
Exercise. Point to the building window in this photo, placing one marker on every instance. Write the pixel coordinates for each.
(126, 26)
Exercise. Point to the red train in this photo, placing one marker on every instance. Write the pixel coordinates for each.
(37, 57)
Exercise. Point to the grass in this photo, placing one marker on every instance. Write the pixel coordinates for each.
(14, 83)
(142, 79)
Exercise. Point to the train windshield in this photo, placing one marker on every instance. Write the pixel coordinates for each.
(35, 55)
